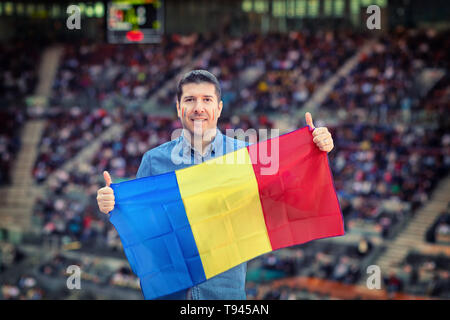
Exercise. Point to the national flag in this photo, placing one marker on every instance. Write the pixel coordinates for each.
(181, 228)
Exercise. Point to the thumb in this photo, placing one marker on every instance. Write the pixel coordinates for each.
(309, 120)
(107, 178)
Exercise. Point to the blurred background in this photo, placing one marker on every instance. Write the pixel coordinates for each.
(75, 102)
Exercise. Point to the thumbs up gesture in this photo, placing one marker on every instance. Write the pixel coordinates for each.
(105, 195)
(321, 136)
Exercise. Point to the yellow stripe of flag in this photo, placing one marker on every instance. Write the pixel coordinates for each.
(225, 214)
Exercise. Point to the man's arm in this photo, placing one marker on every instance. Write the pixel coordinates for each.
(145, 168)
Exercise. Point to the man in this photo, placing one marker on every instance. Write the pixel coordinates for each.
(199, 106)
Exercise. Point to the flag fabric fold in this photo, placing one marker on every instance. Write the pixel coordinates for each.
(181, 228)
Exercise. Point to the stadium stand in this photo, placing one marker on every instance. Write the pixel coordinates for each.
(275, 72)
(104, 75)
(18, 80)
(378, 194)
(388, 118)
(439, 232)
(67, 131)
(19, 75)
(9, 141)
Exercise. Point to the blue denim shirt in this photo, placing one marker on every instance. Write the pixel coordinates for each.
(179, 154)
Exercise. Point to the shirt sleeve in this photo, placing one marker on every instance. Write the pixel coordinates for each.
(145, 168)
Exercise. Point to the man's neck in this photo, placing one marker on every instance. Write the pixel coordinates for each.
(200, 143)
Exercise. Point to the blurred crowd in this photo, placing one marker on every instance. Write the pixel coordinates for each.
(422, 275)
(104, 75)
(10, 140)
(419, 275)
(22, 287)
(67, 131)
(314, 260)
(18, 80)
(34, 284)
(19, 75)
(381, 173)
(258, 73)
(94, 270)
(439, 232)
(388, 155)
(385, 164)
(292, 72)
(25, 289)
(327, 260)
(274, 72)
(385, 84)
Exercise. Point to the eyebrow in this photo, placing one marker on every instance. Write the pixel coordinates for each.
(205, 96)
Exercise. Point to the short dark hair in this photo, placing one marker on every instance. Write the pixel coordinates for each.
(198, 76)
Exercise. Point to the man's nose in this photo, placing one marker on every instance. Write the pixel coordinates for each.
(199, 107)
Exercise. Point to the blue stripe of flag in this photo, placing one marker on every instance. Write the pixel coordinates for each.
(151, 221)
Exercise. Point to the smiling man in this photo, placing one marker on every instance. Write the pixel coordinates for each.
(199, 106)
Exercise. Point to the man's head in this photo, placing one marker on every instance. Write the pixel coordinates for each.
(199, 103)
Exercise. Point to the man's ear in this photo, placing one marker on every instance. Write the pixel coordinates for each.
(220, 107)
(178, 109)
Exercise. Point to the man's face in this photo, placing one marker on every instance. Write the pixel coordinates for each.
(199, 108)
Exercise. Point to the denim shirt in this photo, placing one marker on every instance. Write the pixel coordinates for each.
(179, 154)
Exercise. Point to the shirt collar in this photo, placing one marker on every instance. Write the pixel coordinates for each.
(215, 146)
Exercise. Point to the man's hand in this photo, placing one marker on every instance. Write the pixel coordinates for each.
(321, 136)
(105, 195)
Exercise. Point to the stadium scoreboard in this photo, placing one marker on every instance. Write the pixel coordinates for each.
(134, 21)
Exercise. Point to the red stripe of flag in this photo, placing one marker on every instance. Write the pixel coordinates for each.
(299, 202)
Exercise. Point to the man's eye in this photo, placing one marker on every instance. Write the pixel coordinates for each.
(207, 99)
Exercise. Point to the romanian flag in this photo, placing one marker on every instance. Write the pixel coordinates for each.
(181, 228)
